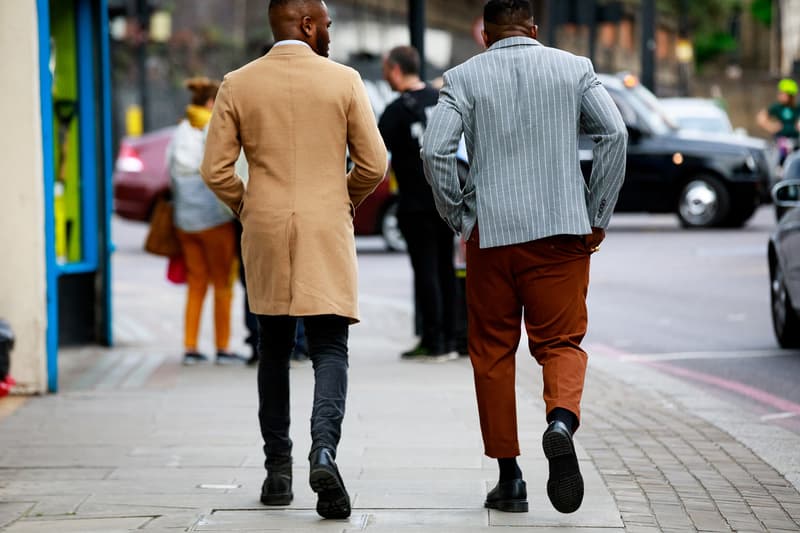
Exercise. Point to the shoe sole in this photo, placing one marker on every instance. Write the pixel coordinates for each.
(277, 499)
(332, 498)
(565, 485)
(443, 358)
(431, 359)
(508, 506)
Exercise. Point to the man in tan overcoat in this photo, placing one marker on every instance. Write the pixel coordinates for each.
(295, 113)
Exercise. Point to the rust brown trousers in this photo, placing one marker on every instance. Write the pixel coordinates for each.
(544, 282)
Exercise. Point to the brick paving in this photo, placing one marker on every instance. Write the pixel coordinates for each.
(671, 471)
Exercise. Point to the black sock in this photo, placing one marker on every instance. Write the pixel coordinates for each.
(509, 469)
(563, 415)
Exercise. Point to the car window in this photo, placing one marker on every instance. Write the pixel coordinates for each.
(650, 110)
(627, 112)
(705, 124)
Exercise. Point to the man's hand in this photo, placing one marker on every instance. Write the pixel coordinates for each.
(593, 241)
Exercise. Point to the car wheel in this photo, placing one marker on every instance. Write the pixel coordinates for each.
(390, 230)
(784, 318)
(704, 202)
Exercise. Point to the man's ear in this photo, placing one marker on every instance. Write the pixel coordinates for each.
(307, 26)
(485, 38)
(535, 31)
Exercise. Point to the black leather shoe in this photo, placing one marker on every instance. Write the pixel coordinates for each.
(332, 498)
(277, 488)
(508, 496)
(565, 486)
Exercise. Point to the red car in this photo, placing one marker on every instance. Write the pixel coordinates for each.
(141, 175)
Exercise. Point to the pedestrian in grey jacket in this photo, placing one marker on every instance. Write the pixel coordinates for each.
(531, 222)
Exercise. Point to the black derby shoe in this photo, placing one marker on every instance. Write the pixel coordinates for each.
(332, 498)
(508, 496)
(277, 488)
(565, 486)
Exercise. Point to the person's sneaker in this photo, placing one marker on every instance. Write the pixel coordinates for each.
(230, 358)
(193, 358)
(422, 353)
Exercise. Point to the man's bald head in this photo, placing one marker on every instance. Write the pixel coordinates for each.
(302, 20)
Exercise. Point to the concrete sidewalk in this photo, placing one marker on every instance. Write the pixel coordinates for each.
(135, 441)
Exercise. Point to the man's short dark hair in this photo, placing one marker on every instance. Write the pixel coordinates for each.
(507, 12)
(280, 3)
(405, 57)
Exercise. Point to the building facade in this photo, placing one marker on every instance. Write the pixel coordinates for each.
(55, 288)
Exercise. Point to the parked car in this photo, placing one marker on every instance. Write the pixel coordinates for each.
(784, 265)
(789, 171)
(708, 180)
(141, 175)
(378, 215)
(699, 114)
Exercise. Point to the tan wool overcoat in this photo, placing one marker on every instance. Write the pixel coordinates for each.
(295, 114)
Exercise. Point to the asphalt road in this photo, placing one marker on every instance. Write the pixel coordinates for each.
(694, 304)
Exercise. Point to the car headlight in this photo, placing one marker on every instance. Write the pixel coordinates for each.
(751, 164)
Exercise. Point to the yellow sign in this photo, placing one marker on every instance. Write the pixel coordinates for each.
(684, 51)
(133, 121)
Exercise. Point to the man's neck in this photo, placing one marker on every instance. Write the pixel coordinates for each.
(411, 83)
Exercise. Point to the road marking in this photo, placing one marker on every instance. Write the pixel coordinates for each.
(734, 386)
(778, 416)
(688, 356)
(785, 408)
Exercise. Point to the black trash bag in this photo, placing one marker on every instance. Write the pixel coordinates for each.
(6, 345)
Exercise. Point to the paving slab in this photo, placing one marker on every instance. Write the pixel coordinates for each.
(79, 525)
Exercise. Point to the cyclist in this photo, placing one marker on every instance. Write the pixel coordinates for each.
(781, 118)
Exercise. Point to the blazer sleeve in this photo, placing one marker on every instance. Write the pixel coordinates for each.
(439, 148)
(222, 150)
(367, 150)
(602, 122)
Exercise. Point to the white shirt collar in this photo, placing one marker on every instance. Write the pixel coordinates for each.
(291, 41)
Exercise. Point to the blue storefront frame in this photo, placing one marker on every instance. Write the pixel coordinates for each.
(91, 45)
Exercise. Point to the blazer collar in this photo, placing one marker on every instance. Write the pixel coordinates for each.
(508, 42)
(292, 50)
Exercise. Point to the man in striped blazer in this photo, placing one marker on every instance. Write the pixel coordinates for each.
(531, 222)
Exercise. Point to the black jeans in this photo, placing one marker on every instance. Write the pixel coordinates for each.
(430, 248)
(327, 344)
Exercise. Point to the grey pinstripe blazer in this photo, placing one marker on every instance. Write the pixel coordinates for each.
(520, 106)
